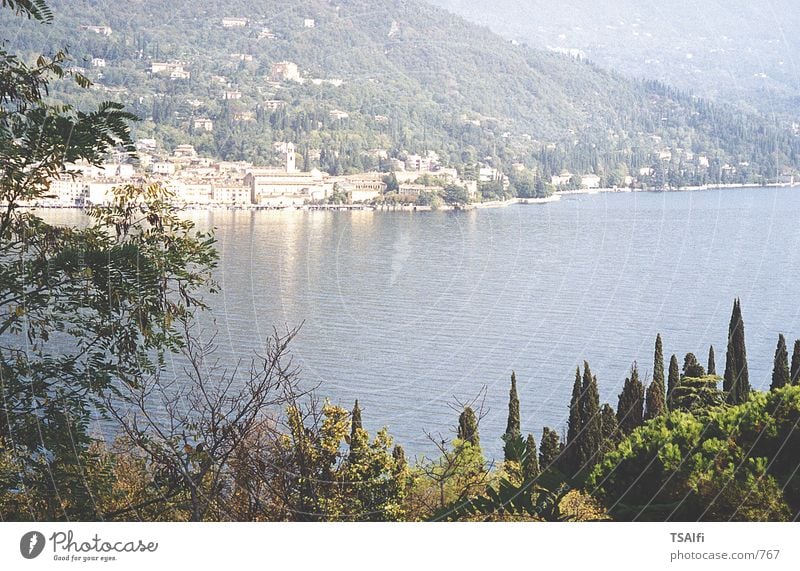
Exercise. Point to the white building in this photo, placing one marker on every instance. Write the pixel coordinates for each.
(284, 187)
(203, 124)
(590, 181)
(175, 70)
(68, 192)
(185, 151)
(338, 115)
(100, 193)
(420, 163)
(361, 187)
(191, 192)
(562, 178)
(488, 174)
(309, 23)
(234, 22)
(231, 195)
(163, 167)
(285, 71)
(102, 30)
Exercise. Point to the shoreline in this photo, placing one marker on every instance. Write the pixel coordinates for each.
(555, 197)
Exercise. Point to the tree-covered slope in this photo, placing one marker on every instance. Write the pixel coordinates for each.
(414, 78)
(731, 50)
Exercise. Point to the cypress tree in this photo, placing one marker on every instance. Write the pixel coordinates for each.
(656, 398)
(655, 401)
(468, 427)
(609, 427)
(591, 436)
(549, 449)
(355, 423)
(357, 435)
(512, 435)
(574, 423)
(736, 383)
(399, 456)
(530, 467)
(673, 379)
(712, 364)
(795, 370)
(630, 410)
(658, 362)
(780, 369)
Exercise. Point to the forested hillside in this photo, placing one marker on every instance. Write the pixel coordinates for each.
(414, 78)
(730, 50)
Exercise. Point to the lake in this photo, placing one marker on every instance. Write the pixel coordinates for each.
(410, 312)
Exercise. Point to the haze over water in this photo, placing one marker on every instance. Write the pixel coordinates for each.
(405, 311)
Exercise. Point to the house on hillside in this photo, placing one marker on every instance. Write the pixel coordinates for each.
(273, 104)
(285, 71)
(231, 22)
(338, 115)
(203, 124)
(102, 30)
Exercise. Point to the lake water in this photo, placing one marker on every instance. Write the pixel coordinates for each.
(408, 312)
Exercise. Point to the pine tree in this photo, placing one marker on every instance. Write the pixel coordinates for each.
(736, 383)
(780, 369)
(712, 364)
(468, 427)
(550, 448)
(673, 379)
(630, 410)
(609, 427)
(795, 370)
(692, 367)
(592, 434)
(530, 467)
(512, 434)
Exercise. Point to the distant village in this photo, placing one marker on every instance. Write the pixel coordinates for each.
(200, 182)
(203, 182)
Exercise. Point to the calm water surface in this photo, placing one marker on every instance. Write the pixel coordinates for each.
(409, 311)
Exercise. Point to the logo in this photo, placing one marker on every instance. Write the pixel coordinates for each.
(31, 544)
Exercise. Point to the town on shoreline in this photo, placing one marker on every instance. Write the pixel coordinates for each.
(416, 184)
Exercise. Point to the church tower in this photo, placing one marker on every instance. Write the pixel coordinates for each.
(290, 166)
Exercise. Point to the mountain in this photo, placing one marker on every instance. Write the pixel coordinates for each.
(400, 77)
(735, 50)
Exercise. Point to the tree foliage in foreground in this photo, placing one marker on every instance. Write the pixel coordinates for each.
(83, 310)
(730, 463)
